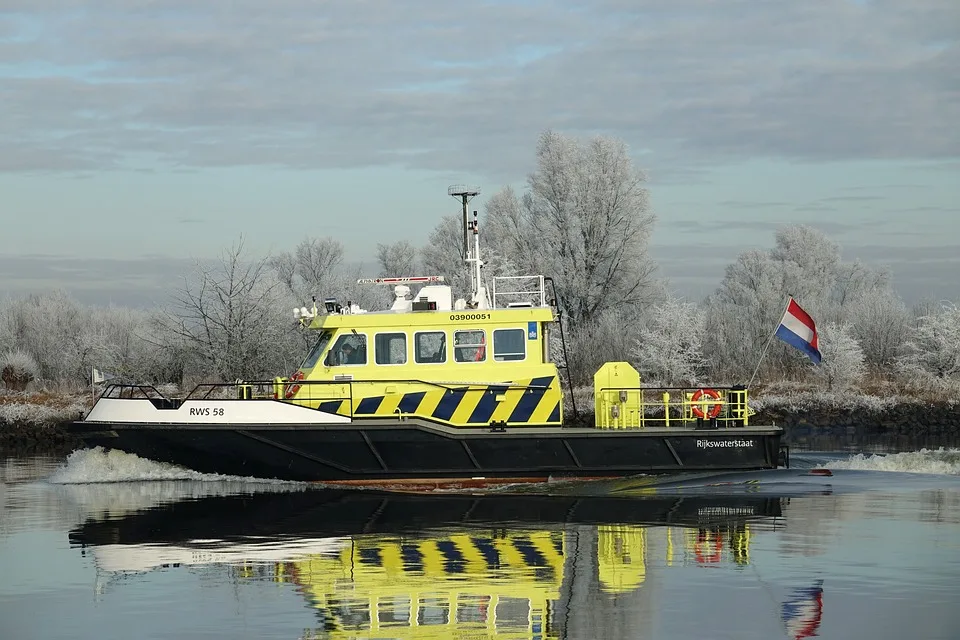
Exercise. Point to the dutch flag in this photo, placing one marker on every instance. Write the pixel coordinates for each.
(798, 330)
(803, 610)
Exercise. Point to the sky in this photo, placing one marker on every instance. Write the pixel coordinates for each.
(138, 136)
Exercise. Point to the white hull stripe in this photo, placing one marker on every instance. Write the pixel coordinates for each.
(226, 412)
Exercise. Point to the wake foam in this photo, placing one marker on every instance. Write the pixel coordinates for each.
(929, 461)
(89, 466)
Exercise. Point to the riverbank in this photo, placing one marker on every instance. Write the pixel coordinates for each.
(901, 423)
(38, 420)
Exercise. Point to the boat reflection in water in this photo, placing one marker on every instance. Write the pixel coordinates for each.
(387, 565)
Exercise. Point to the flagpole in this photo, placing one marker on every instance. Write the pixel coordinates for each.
(772, 336)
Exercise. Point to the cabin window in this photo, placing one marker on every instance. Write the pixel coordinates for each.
(513, 613)
(391, 348)
(350, 348)
(470, 346)
(353, 615)
(430, 346)
(509, 344)
(318, 348)
(472, 609)
(433, 611)
(394, 611)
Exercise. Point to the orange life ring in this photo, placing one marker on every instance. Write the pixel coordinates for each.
(703, 551)
(291, 389)
(698, 410)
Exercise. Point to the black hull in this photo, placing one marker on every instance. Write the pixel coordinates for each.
(409, 450)
(344, 512)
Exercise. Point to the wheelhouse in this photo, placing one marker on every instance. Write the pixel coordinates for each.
(429, 352)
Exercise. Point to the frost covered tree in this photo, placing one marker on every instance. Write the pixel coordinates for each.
(933, 347)
(880, 324)
(316, 267)
(748, 305)
(233, 320)
(855, 283)
(59, 333)
(843, 362)
(67, 339)
(807, 261)
(443, 256)
(742, 314)
(670, 346)
(585, 220)
(608, 338)
(398, 259)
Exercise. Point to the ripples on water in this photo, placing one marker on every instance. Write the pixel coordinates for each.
(107, 545)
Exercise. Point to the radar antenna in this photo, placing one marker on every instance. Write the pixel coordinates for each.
(464, 193)
(471, 258)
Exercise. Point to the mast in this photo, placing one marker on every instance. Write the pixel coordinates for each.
(465, 193)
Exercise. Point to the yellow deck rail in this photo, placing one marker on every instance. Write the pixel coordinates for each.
(621, 403)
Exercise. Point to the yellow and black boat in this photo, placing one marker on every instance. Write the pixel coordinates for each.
(375, 564)
(435, 390)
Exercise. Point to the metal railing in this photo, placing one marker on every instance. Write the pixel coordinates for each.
(520, 290)
(315, 394)
(138, 391)
(615, 407)
(671, 407)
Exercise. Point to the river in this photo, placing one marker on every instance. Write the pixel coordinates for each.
(106, 545)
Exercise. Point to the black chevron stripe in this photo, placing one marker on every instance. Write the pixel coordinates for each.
(451, 400)
(487, 405)
(531, 398)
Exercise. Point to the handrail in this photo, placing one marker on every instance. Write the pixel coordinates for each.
(539, 291)
(615, 407)
(629, 407)
(115, 390)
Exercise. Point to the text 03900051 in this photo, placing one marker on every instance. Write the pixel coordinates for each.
(469, 316)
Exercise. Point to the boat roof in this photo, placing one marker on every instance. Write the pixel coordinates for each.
(416, 319)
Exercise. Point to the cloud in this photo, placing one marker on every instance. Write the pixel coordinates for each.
(851, 199)
(698, 227)
(452, 86)
(148, 282)
(927, 209)
(814, 207)
(751, 204)
(917, 272)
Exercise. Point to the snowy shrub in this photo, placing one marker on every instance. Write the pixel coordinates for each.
(23, 408)
(933, 348)
(608, 338)
(670, 345)
(880, 326)
(18, 369)
(835, 400)
(843, 362)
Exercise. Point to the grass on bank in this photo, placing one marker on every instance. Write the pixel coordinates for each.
(42, 407)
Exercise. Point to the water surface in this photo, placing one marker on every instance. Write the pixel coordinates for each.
(112, 546)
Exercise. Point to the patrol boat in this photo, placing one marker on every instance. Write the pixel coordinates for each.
(436, 391)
